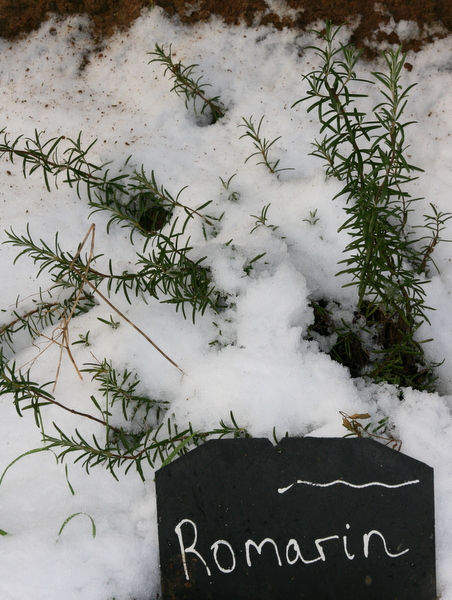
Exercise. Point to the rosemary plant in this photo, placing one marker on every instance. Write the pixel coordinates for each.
(262, 145)
(137, 430)
(134, 201)
(385, 259)
(189, 87)
(233, 195)
(367, 152)
(141, 433)
(261, 220)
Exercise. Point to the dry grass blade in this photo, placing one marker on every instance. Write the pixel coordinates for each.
(83, 275)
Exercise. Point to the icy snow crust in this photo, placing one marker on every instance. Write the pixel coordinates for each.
(263, 370)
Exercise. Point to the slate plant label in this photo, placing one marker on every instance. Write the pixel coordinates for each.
(313, 518)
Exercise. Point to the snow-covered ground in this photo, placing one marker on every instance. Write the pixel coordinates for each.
(270, 377)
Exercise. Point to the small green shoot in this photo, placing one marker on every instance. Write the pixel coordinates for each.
(435, 224)
(83, 340)
(188, 86)
(111, 323)
(262, 145)
(233, 196)
(313, 218)
(261, 220)
(66, 471)
(30, 452)
(93, 525)
(249, 266)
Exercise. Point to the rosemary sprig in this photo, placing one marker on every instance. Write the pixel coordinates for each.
(188, 86)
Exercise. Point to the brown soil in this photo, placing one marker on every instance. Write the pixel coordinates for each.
(434, 17)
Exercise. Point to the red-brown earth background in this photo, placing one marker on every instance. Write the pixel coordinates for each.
(434, 17)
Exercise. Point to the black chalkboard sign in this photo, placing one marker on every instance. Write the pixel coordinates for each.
(310, 519)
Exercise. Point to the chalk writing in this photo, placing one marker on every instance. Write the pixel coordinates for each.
(292, 549)
(184, 551)
(347, 483)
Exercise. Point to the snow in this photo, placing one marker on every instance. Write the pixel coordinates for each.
(270, 377)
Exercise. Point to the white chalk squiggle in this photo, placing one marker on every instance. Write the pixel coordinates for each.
(353, 485)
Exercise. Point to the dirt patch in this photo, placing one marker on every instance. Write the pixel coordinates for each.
(22, 16)
(433, 17)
